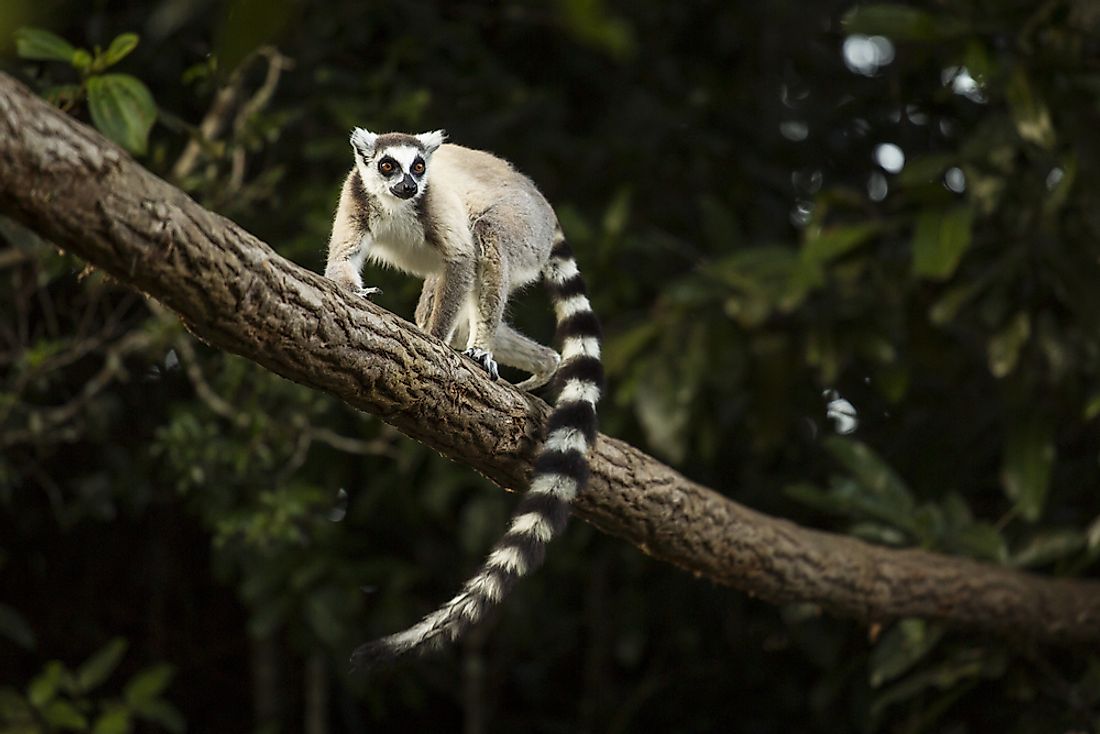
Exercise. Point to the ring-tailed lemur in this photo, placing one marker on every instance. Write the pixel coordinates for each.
(476, 230)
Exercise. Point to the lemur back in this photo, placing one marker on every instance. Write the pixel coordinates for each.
(476, 230)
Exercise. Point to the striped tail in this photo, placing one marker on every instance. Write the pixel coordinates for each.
(561, 471)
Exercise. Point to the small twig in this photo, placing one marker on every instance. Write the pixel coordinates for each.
(226, 100)
(307, 435)
(374, 447)
(49, 486)
(22, 323)
(217, 117)
(298, 458)
(217, 404)
(48, 419)
(276, 64)
(13, 257)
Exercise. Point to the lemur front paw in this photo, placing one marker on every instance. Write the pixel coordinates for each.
(485, 359)
(368, 292)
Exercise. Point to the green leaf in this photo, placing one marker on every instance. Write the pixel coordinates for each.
(948, 306)
(123, 110)
(115, 720)
(1004, 347)
(823, 354)
(100, 666)
(44, 687)
(61, 714)
(591, 22)
(148, 684)
(813, 496)
(1092, 535)
(829, 243)
(119, 49)
(1049, 546)
(664, 408)
(965, 665)
(873, 474)
(617, 215)
(13, 708)
(900, 22)
(320, 612)
(1092, 407)
(873, 491)
(161, 712)
(977, 61)
(82, 60)
(1060, 192)
(1026, 467)
(821, 246)
(980, 540)
(623, 348)
(14, 627)
(891, 381)
(61, 94)
(1029, 111)
(939, 241)
(926, 169)
(902, 647)
(879, 534)
(759, 279)
(41, 45)
(268, 617)
(252, 24)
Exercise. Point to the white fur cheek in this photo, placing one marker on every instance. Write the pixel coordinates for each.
(374, 185)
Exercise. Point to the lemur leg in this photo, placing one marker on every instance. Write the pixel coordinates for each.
(490, 297)
(423, 313)
(450, 294)
(516, 350)
(345, 260)
(347, 246)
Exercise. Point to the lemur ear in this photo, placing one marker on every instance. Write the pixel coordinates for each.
(363, 141)
(432, 140)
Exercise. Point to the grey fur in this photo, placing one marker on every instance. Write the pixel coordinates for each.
(479, 231)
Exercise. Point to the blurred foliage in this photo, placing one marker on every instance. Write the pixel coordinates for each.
(846, 256)
(59, 699)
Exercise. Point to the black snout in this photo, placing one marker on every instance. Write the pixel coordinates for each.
(406, 189)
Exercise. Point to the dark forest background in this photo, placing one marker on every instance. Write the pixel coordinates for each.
(848, 261)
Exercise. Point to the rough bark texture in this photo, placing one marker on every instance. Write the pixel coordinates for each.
(71, 185)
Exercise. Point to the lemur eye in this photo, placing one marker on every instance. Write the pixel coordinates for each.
(418, 167)
(387, 167)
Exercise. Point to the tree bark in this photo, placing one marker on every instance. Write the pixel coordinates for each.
(71, 185)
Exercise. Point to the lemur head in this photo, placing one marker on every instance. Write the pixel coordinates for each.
(394, 164)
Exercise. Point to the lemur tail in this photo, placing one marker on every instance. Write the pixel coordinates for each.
(561, 470)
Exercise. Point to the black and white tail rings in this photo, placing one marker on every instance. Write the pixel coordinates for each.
(561, 471)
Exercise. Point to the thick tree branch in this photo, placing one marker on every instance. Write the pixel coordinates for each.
(68, 183)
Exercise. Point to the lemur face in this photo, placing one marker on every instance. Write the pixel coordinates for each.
(394, 164)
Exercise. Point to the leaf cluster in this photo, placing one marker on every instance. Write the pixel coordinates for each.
(60, 699)
(120, 105)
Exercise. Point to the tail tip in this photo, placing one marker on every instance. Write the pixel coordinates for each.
(373, 656)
